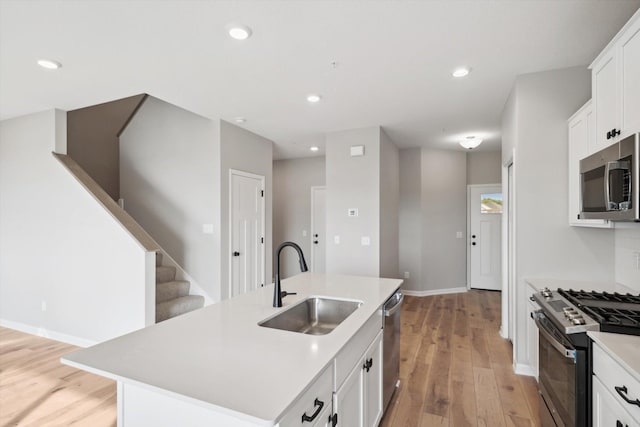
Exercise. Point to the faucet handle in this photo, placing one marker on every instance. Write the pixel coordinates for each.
(285, 293)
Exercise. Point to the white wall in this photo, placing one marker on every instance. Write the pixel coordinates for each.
(292, 182)
(444, 213)
(59, 246)
(410, 218)
(353, 182)
(169, 182)
(484, 167)
(248, 152)
(535, 125)
(389, 206)
(627, 253)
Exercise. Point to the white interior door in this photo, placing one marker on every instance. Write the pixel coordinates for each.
(247, 223)
(318, 227)
(485, 223)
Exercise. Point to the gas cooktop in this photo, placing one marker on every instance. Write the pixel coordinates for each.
(614, 312)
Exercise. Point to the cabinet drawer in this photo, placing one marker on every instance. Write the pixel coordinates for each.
(612, 375)
(317, 398)
(355, 348)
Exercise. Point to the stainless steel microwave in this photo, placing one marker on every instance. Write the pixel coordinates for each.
(609, 182)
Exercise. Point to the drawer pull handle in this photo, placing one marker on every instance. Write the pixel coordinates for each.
(320, 404)
(619, 424)
(333, 420)
(368, 364)
(622, 391)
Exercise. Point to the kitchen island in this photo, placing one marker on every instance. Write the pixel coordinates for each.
(217, 366)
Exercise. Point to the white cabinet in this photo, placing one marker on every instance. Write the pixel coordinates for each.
(358, 401)
(313, 408)
(616, 86)
(581, 144)
(615, 392)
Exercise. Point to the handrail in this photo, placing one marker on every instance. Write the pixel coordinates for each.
(126, 221)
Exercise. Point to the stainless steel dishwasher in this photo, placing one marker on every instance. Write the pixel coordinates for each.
(391, 344)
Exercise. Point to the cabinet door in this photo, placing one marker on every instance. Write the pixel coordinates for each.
(607, 412)
(629, 77)
(532, 332)
(348, 401)
(373, 383)
(606, 107)
(578, 138)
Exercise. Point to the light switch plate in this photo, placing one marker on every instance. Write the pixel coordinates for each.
(336, 240)
(207, 228)
(458, 234)
(357, 150)
(352, 212)
(365, 241)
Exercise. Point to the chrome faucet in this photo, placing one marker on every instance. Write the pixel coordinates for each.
(277, 293)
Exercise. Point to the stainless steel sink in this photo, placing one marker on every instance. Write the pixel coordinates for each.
(313, 316)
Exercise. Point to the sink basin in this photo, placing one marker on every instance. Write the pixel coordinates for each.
(313, 316)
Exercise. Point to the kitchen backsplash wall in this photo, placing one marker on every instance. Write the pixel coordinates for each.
(627, 255)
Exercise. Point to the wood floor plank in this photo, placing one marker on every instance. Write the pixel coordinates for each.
(489, 407)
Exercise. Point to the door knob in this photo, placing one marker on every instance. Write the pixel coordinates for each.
(473, 243)
(236, 253)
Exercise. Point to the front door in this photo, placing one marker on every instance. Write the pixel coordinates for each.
(247, 224)
(484, 236)
(318, 226)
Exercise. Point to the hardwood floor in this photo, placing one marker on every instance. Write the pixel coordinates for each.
(37, 390)
(455, 369)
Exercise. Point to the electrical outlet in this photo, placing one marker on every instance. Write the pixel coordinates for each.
(207, 228)
(336, 240)
(458, 234)
(407, 275)
(304, 233)
(637, 259)
(365, 241)
(44, 306)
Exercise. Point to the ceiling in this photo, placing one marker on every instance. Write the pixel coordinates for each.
(385, 63)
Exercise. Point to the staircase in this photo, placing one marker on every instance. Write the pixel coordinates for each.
(172, 296)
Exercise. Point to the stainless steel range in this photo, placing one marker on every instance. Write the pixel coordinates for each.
(565, 363)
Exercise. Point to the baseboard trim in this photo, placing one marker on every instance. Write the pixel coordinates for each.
(522, 369)
(45, 333)
(431, 292)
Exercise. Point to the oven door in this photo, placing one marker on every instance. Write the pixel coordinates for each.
(557, 375)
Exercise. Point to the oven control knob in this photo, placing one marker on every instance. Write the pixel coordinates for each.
(546, 293)
(578, 321)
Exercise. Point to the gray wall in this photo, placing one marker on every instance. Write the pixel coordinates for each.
(292, 182)
(444, 213)
(353, 182)
(168, 183)
(58, 246)
(627, 248)
(535, 124)
(92, 139)
(389, 206)
(410, 218)
(248, 152)
(484, 167)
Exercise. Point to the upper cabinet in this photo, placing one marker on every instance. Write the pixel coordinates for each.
(581, 144)
(616, 87)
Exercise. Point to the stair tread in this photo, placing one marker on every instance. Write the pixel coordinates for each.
(165, 273)
(166, 291)
(177, 306)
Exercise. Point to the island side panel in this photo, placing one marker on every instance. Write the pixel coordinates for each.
(140, 407)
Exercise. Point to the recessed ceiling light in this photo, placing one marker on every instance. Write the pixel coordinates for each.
(239, 120)
(239, 32)
(314, 148)
(49, 64)
(470, 142)
(461, 72)
(313, 98)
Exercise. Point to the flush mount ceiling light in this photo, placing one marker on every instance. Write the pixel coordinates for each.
(314, 98)
(49, 64)
(470, 142)
(314, 148)
(239, 120)
(461, 72)
(239, 32)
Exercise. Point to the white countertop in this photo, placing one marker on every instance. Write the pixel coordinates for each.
(545, 282)
(625, 349)
(218, 356)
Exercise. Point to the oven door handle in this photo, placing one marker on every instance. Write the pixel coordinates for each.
(569, 353)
